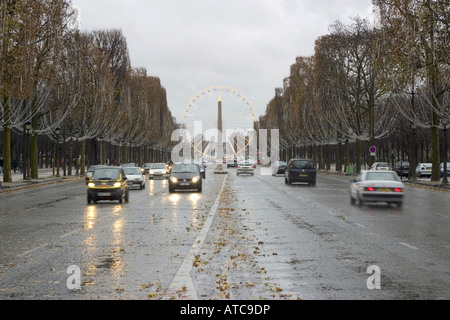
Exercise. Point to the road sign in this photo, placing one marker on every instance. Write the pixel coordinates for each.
(373, 151)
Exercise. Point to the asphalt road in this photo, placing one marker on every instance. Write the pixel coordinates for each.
(243, 237)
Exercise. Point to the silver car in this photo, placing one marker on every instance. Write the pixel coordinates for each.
(135, 177)
(377, 186)
(158, 171)
(423, 169)
(245, 167)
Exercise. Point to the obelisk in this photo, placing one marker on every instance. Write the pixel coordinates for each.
(219, 130)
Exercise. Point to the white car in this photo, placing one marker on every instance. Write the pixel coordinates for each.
(377, 186)
(381, 166)
(423, 169)
(135, 178)
(279, 167)
(159, 171)
(245, 167)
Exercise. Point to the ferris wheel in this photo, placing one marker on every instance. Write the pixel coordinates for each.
(238, 115)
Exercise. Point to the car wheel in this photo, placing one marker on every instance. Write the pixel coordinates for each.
(360, 202)
(285, 180)
(312, 183)
(352, 200)
(171, 190)
(89, 201)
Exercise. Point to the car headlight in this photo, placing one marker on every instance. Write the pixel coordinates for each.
(151, 172)
(117, 184)
(173, 179)
(91, 185)
(195, 179)
(163, 172)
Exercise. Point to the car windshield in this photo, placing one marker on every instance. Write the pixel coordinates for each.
(282, 163)
(383, 165)
(132, 171)
(106, 174)
(159, 166)
(381, 176)
(301, 164)
(147, 165)
(185, 168)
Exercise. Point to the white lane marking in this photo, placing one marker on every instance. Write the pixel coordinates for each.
(182, 282)
(408, 245)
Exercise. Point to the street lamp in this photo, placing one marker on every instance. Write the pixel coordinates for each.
(26, 153)
(445, 123)
(57, 133)
(413, 154)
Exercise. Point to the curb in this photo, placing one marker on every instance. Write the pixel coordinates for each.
(24, 185)
(416, 183)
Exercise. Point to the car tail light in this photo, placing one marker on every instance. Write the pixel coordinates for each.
(398, 190)
(369, 189)
(239, 167)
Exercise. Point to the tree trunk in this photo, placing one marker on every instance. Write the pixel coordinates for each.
(435, 171)
(7, 143)
(358, 156)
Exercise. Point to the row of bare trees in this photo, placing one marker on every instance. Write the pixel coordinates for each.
(382, 82)
(71, 86)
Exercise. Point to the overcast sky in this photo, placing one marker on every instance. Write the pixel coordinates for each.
(191, 45)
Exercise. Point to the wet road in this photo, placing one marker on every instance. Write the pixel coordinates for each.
(243, 237)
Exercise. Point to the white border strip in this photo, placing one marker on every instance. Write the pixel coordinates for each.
(182, 282)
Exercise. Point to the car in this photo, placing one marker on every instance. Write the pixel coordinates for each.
(146, 167)
(279, 167)
(90, 171)
(402, 168)
(108, 183)
(300, 170)
(377, 186)
(252, 160)
(442, 169)
(185, 176)
(158, 170)
(245, 167)
(135, 177)
(232, 161)
(381, 166)
(423, 169)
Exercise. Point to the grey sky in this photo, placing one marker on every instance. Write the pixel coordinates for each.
(191, 45)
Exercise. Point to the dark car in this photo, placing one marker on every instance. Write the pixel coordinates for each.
(90, 171)
(185, 176)
(300, 170)
(402, 168)
(146, 167)
(108, 183)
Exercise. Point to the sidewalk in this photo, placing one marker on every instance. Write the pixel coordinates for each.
(45, 177)
(435, 185)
